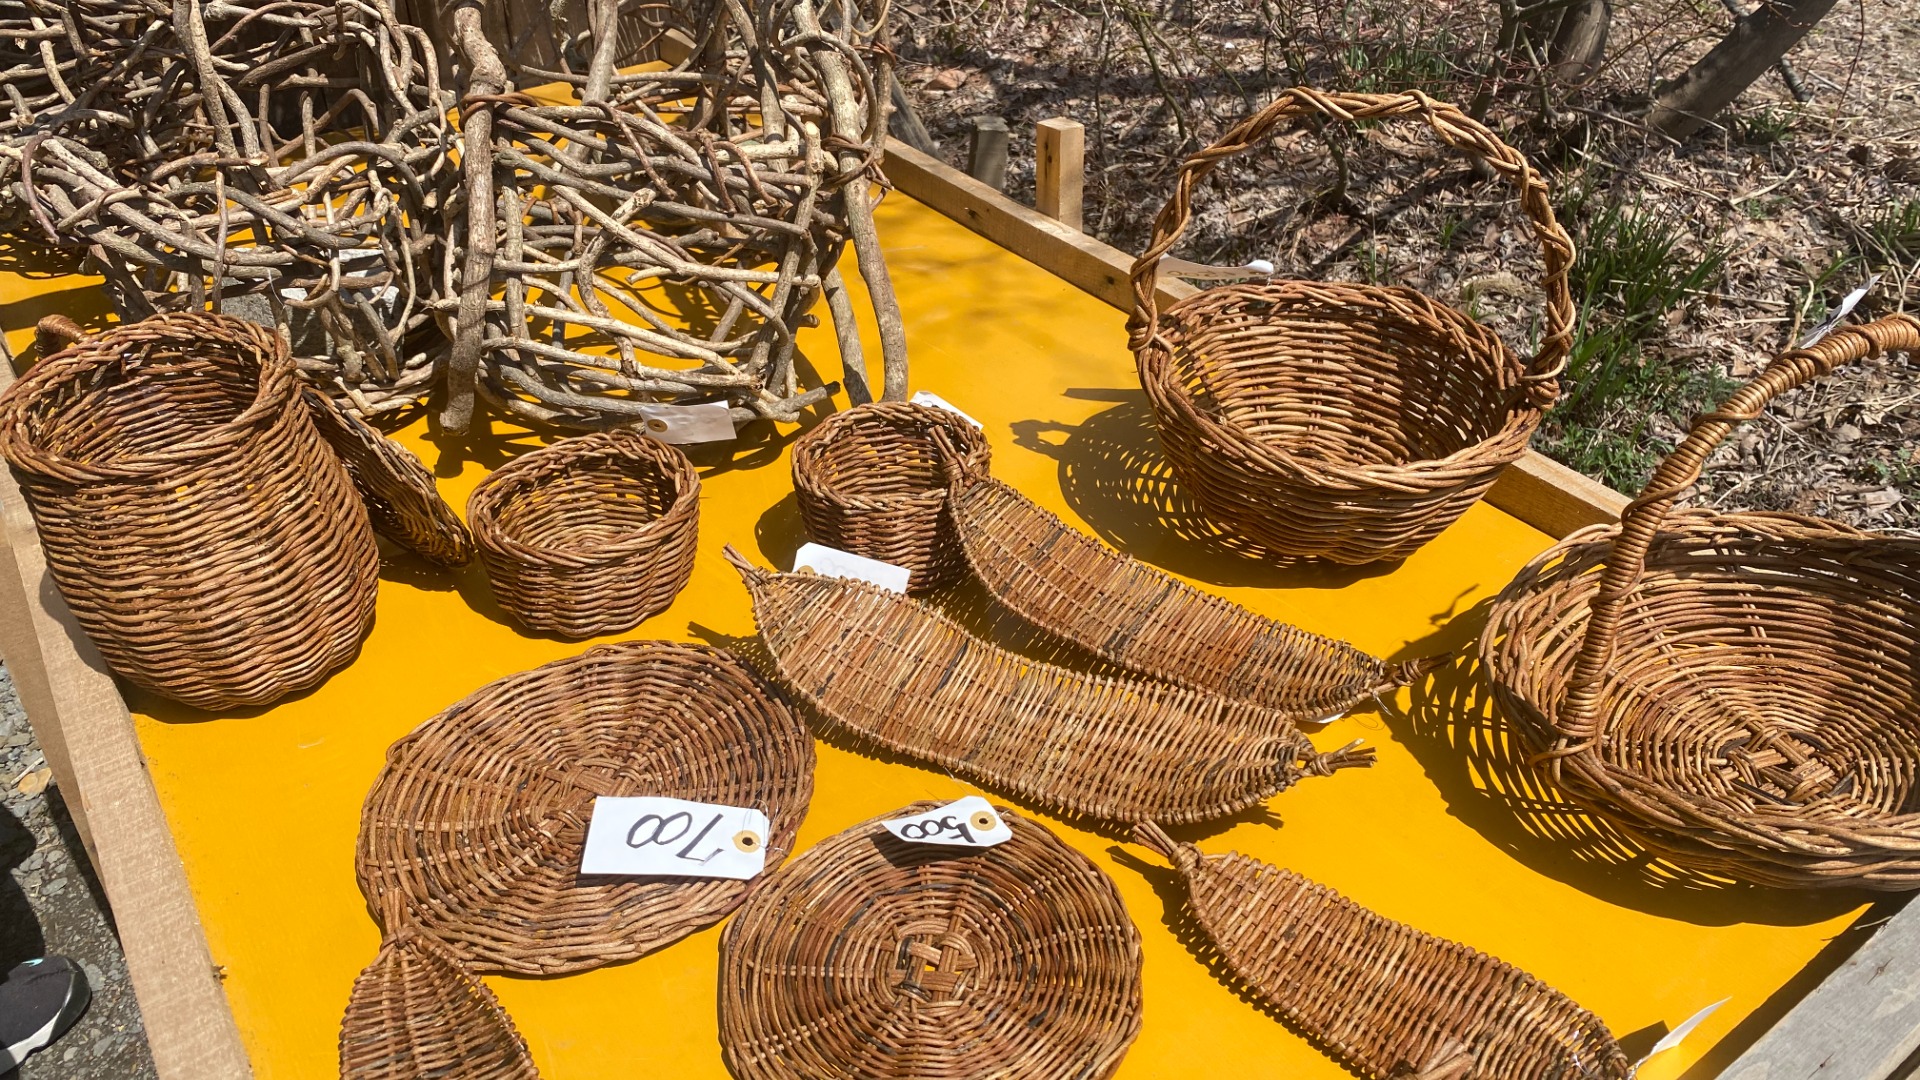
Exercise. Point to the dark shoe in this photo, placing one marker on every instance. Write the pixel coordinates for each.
(39, 1001)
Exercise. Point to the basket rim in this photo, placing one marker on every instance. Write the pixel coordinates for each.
(810, 475)
(1169, 400)
(277, 393)
(533, 469)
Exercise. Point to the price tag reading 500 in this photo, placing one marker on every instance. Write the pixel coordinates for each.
(654, 836)
(968, 822)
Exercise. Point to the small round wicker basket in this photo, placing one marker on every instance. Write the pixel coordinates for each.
(873, 481)
(591, 535)
(1737, 691)
(874, 958)
(1338, 421)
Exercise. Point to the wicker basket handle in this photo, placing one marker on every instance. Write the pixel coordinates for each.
(1579, 723)
(1455, 128)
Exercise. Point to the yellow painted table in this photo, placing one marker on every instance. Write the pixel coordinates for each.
(1442, 833)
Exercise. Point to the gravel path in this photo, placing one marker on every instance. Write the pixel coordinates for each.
(51, 904)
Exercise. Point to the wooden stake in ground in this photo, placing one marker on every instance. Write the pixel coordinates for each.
(1755, 44)
(1059, 168)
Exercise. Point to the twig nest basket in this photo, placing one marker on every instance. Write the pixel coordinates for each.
(474, 830)
(871, 958)
(1337, 421)
(873, 481)
(1388, 1000)
(205, 536)
(591, 535)
(1739, 692)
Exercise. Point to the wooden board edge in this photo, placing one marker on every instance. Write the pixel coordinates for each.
(1537, 490)
(87, 733)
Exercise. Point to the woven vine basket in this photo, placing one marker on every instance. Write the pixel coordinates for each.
(1340, 421)
(1077, 589)
(1740, 692)
(474, 830)
(873, 480)
(869, 958)
(1388, 1000)
(416, 1012)
(205, 536)
(591, 535)
(901, 676)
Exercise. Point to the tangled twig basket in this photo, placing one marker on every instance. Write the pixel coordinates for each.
(591, 535)
(1147, 621)
(871, 958)
(873, 480)
(1388, 1000)
(204, 535)
(415, 1012)
(1740, 692)
(474, 830)
(902, 676)
(1340, 421)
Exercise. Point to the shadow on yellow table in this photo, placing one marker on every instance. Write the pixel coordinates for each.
(1448, 832)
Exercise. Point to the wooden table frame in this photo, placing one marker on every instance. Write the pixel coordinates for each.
(87, 733)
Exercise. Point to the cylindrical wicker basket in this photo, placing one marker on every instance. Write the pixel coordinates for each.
(873, 481)
(205, 536)
(1739, 692)
(474, 830)
(1340, 421)
(1386, 999)
(869, 958)
(591, 535)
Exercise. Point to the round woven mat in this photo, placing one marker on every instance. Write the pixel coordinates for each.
(479, 817)
(870, 957)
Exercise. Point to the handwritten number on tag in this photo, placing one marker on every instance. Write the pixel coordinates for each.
(659, 836)
(927, 830)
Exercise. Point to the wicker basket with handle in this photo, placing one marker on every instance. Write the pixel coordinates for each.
(207, 539)
(1387, 999)
(1738, 691)
(1341, 421)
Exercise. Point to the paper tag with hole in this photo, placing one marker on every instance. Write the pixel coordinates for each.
(709, 421)
(1672, 1038)
(656, 836)
(1832, 321)
(832, 562)
(969, 822)
(934, 401)
(1194, 271)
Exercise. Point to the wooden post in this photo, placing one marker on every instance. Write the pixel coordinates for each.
(1059, 169)
(987, 157)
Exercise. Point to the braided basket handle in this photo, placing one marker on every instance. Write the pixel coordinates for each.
(1455, 128)
(1579, 722)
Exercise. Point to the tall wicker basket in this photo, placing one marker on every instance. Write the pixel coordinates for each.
(1339, 421)
(205, 536)
(1740, 692)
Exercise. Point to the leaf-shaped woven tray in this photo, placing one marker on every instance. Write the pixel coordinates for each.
(868, 957)
(1072, 586)
(1388, 1000)
(909, 679)
(402, 501)
(478, 819)
(416, 1013)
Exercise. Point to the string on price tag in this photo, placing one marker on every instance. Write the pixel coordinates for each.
(832, 562)
(969, 822)
(656, 836)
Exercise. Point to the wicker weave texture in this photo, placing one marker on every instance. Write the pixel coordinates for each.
(476, 824)
(591, 535)
(1388, 1000)
(416, 1013)
(871, 958)
(907, 678)
(1338, 421)
(402, 500)
(1074, 587)
(204, 535)
(873, 481)
(1740, 692)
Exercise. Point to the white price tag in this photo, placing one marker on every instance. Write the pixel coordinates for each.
(969, 822)
(832, 562)
(934, 401)
(1193, 271)
(655, 836)
(709, 421)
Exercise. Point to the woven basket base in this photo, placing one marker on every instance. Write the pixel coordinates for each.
(416, 1013)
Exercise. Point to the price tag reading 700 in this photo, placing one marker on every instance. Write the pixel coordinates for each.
(655, 836)
(968, 822)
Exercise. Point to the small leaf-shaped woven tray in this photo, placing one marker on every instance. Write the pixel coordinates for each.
(1388, 1000)
(402, 501)
(901, 675)
(416, 1013)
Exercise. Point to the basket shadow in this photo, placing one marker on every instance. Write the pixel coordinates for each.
(1479, 763)
(1116, 479)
